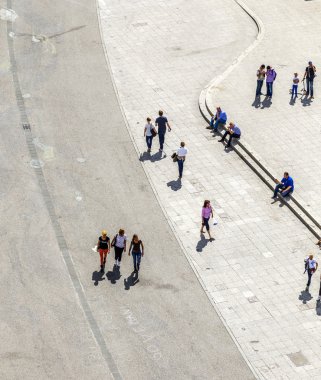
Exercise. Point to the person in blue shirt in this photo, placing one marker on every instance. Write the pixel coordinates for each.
(219, 118)
(285, 187)
(233, 131)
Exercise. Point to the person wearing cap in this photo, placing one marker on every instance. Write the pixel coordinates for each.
(103, 247)
(309, 75)
(311, 266)
(233, 131)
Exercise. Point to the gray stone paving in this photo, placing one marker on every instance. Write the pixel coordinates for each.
(253, 270)
(286, 134)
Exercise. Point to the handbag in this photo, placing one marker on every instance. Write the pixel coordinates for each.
(154, 133)
(174, 157)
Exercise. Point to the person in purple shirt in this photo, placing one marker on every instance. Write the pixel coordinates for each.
(270, 78)
(285, 187)
(207, 212)
(233, 131)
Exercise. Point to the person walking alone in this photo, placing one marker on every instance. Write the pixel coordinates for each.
(260, 74)
(103, 247)
(309, 75)
(149, 133)
(270, 78)
(181, 155)
(311, 266)
(161, 123)
(119, 244)
(207, 212)
(137, 250)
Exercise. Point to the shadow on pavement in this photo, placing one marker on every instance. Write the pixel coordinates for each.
(114, 275)
(146, 156)
(202, 243)
(257, 102)
(306, 101)
(97, 277)
(267, 102)
(318, 308)
(131, 280)
(305, 297)
(292, 100)
(175, 185)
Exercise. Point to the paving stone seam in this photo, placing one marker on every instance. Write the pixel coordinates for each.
(204, 100)
(193, 264)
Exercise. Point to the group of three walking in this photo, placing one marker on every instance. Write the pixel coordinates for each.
(119, 244)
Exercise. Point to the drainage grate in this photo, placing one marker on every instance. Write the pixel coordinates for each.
(26, 126)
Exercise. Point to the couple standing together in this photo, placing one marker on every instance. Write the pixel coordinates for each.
(270, 76)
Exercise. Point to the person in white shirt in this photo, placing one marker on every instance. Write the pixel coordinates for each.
(149, 133)
(119, 244)
(181, 154)
(311, 266)
(295, 83)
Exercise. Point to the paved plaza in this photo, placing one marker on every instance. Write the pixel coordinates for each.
(252, 272)
(79, 79)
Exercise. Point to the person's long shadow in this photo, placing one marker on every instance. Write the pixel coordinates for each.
(318, 307)
(292, 100)
(175, 185)
(257, 102)
(146, 156)
(305, 297)
(306, 101)
(131, 280)
(267, 102)
(202, 243)
(114, 275)
(97, 277)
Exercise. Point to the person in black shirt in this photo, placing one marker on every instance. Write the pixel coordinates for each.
(161, 123)
(309, 75)
(103, 247)
(137, 249)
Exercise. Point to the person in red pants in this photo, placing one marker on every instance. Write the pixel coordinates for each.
(103, 247)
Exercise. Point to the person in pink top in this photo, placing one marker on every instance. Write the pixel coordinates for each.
(207, 212)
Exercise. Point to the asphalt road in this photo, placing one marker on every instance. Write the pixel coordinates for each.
(74, 172)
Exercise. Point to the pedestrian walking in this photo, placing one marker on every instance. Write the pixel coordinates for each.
(219, 118)
(233, 131)
(149, 133)
(137, 250)
(285, 186)
(260, 74)
(181, 155)
(103, 247)
(270, 78)
(119, 244)
(162, 123)
(311, 266)
(309, 75)
(295, 83)
(207, 212)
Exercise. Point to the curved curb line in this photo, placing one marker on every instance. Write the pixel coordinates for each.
(210, 88)
(188, 257)
(205, 99)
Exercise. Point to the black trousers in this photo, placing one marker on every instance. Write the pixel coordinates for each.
(118, 253)
(234, 135)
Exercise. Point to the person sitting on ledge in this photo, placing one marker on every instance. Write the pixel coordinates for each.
(285, 187)
(233, 131)
(219, 118)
